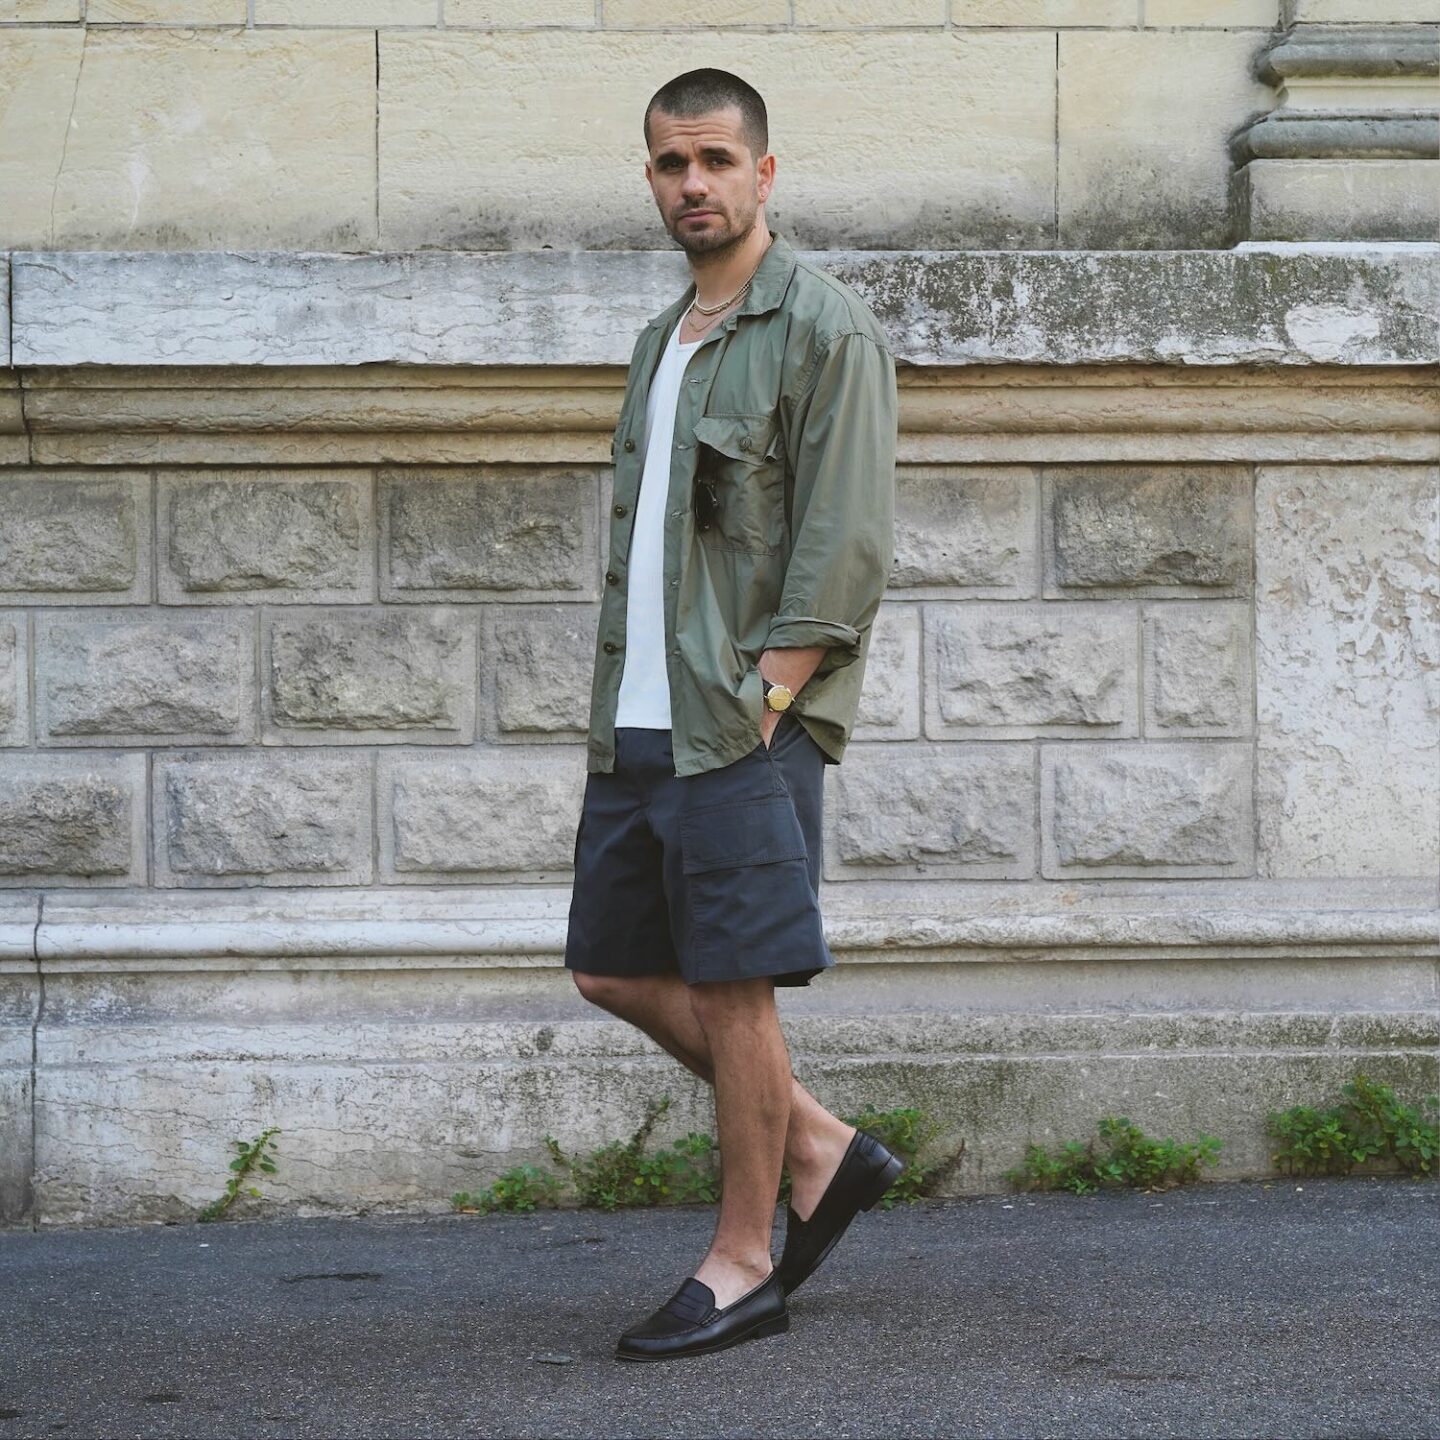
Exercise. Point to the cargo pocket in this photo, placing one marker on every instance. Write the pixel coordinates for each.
(749, 903)
(742, 457)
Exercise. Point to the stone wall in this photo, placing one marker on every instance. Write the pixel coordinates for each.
(299, 572)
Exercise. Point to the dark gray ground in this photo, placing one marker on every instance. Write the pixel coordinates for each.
(1287, 1308)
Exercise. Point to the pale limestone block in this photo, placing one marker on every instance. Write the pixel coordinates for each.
(1198, 672)
(1156, 530)
(519, 14)
(72, 819)
(837, 100)
(14, 679)
(970, 527)
(1144, 158)
(262, 819)
(1058, 13)
(487, 815)
(844, 14)
(890, 699)
(536, 666)
(1342, 199)
(947, 811)
(167, 149)
(347, 12)
(1147, 808)
(527, 533)
(274, 535)
(165, 12)
(74, 537)
(672, 14)
(362, 676)
(37, 11)
(1218, 13)
(127, 679)
(1348, 670)
(1010, 671)
(1372, 12)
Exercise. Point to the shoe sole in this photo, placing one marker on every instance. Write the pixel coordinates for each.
(776, 1325)
(889, 1173)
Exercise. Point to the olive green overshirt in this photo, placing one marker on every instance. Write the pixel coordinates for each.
(788, 410)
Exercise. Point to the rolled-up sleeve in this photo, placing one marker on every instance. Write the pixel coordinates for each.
(842, 456)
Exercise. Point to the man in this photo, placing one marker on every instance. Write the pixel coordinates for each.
(751, 537)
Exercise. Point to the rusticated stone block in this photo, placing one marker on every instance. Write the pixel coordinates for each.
(998, 671)
(1197, 668)
(1152, 529)
(524, 531)
(72, 819)
(972, 527)
(536, 668)
(14, 681)
(941, 810)
(368, 676)
(265, 535)
(262, 819)
(1146, 809)
(485, 815)
(74, 536)
(890, 700)
(132, 680)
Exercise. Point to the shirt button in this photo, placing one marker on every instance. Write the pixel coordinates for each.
(629, 444)
(619, 509)
(608, 647)
(744, 442)
(611, 578)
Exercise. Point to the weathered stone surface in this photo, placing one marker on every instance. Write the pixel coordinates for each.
(1340, 200)
(1143, 158)
(76, 537)
(1157, 530)
(444, 181)
(1198, 674)
(527, 532)
(246, 536)
(837, 13)
(129, 679)
(1146, 809)
(369, 676)
(1348, 670)
(14, 680)
(149, 138)
(487, 815)
(1169, 307)
(890, 700)
(165, 12)
(72, 819)
(972, 527)
(519, 13)
(262, 819)
(1259, 13)
(537, 662)
(921, 809)
(998, 671)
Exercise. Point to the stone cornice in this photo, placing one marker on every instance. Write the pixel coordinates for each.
(1362, 304)
(1351, 50)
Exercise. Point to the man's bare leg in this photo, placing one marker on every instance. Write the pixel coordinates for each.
(663, 1006)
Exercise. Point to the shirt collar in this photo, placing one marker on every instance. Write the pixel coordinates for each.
(767, 286)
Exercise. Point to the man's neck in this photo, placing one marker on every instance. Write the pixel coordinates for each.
(717, 282)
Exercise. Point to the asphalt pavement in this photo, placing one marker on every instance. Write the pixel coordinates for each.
(1257, 1308)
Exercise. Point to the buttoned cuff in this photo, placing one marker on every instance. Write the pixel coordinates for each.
(796, 632)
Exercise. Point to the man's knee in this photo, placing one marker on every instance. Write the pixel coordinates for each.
(606, 991)
(718, 1002)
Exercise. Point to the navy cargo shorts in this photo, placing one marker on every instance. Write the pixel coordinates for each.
(715, 875)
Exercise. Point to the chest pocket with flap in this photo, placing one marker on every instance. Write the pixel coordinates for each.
(742, 457)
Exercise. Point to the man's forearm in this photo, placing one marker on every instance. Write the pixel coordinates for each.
(791, 668)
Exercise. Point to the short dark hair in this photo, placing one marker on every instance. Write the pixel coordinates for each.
(698, 92)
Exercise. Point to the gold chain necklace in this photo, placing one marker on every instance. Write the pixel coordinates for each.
(725, 304)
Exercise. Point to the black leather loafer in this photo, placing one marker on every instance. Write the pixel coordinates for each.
(867, 1170)
(689, 1323)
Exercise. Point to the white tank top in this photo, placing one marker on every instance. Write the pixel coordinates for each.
(644, 698)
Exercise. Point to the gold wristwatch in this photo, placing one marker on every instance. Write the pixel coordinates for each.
(777, 697)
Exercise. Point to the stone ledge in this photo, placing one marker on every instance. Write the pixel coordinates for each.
(1362, 304)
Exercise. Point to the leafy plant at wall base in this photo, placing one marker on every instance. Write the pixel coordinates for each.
(252, 1157)
(521, 1188)
(1132, 1158)
(1370, 1122)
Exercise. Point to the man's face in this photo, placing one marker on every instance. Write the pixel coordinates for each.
(706, 183)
